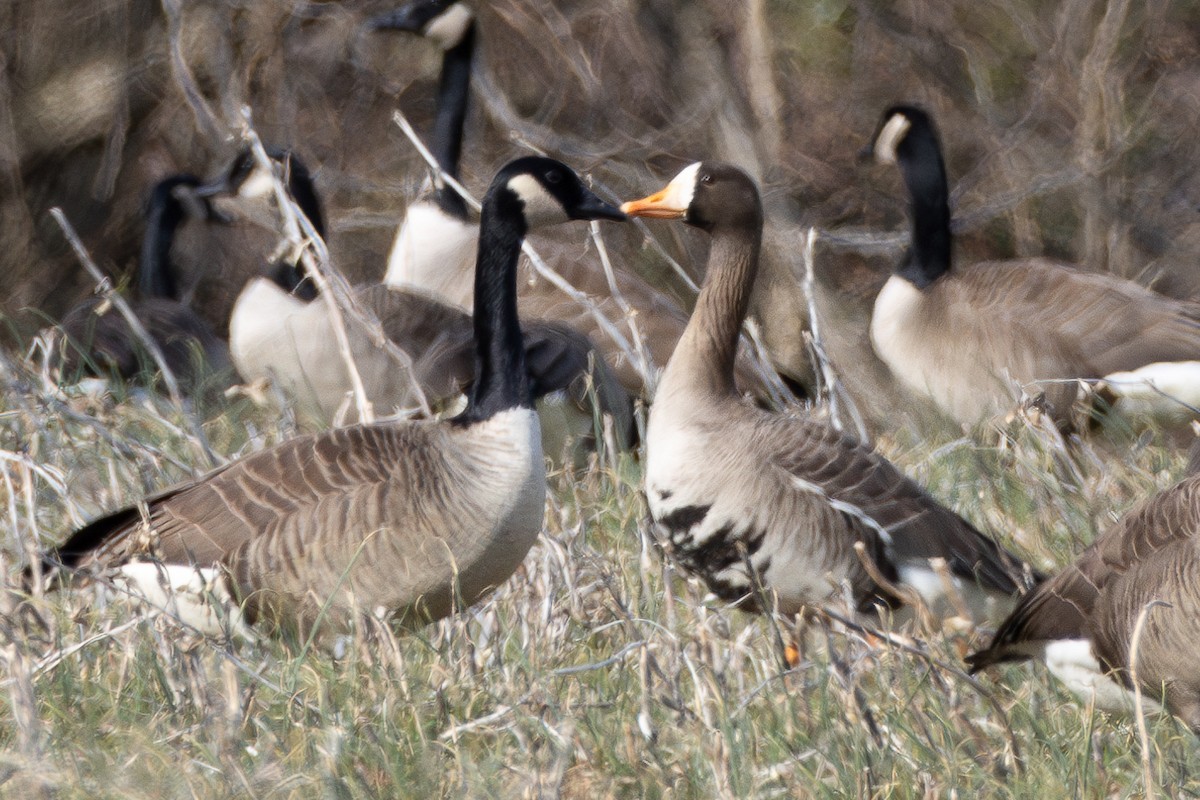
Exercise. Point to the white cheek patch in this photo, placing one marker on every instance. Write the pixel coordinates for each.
(540, 207)
(260, 183)
(682, 188)
(448, 28)
(890, 137)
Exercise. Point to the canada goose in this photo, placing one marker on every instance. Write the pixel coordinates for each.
(279, 333)
(965, 335)
(99, 340)
(748, 498)
(1081, 622)
(215, 263)
(401, 516)
(436, 241)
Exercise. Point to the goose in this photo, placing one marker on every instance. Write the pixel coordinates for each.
(98, 339)
(436, 240)
(749, 499)
(968, 336)
(435, 243)
(211, 264)
(1081, 621)
(406, 517)
(277, 331)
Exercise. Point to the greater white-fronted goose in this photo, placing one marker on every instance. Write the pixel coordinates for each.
(280, 331)
(747, 498)
(1081, 622)
(405, 517)
(98, 339)
(972, 336)
(435, 243)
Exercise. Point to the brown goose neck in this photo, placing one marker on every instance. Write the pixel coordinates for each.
(711, 338)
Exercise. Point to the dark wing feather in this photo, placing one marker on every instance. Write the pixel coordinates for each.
(206, 520)
(919, 527)
(1065, 606)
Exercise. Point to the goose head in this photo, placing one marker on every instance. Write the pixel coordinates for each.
(443, 21)
(899, 131)
(541, 191)
(706, 195)
(247, 179)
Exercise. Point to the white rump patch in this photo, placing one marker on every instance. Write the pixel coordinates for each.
(948, 595)
(890, 136)
(540, 207)
(435, 252)
(195, 596)
(1162, 391)
(1074, 663)
(682, 188)
(448, 28)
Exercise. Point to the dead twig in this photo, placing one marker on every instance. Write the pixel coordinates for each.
(105, 289)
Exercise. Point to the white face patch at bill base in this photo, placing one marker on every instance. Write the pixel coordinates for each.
(260, 183)
(448, 28)
(540, 207)
(890, 137)
(682, 188)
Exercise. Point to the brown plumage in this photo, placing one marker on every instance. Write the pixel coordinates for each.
(357, 518)
(403, 517)
(1151, 554)
(973, 337)
(742, 495)
(97, 339)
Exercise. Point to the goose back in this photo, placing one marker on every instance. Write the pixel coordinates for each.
(972, 337)
(974, 340)
(1088, 611)
(352, 514)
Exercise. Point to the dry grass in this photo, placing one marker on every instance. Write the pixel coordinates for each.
(594, 672)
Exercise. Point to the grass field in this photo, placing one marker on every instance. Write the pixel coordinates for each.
(595, 672)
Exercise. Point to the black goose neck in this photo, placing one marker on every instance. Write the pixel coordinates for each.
(165, 212)
(501, 379)
(291, 278)
(453, 92)
(303, 189)
(924, 174)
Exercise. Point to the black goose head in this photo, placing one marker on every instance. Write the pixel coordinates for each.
(706, 194)
(444, 21)
(540, 191)
(525, 193)
(905, 135)
(245, 177)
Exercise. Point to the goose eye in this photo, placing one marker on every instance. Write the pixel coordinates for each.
(706, 178)
(553, 177)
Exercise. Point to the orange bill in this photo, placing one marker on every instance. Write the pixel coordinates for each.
(657, 206)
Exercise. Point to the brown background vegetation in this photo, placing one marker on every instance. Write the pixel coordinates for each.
(1070, 128)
